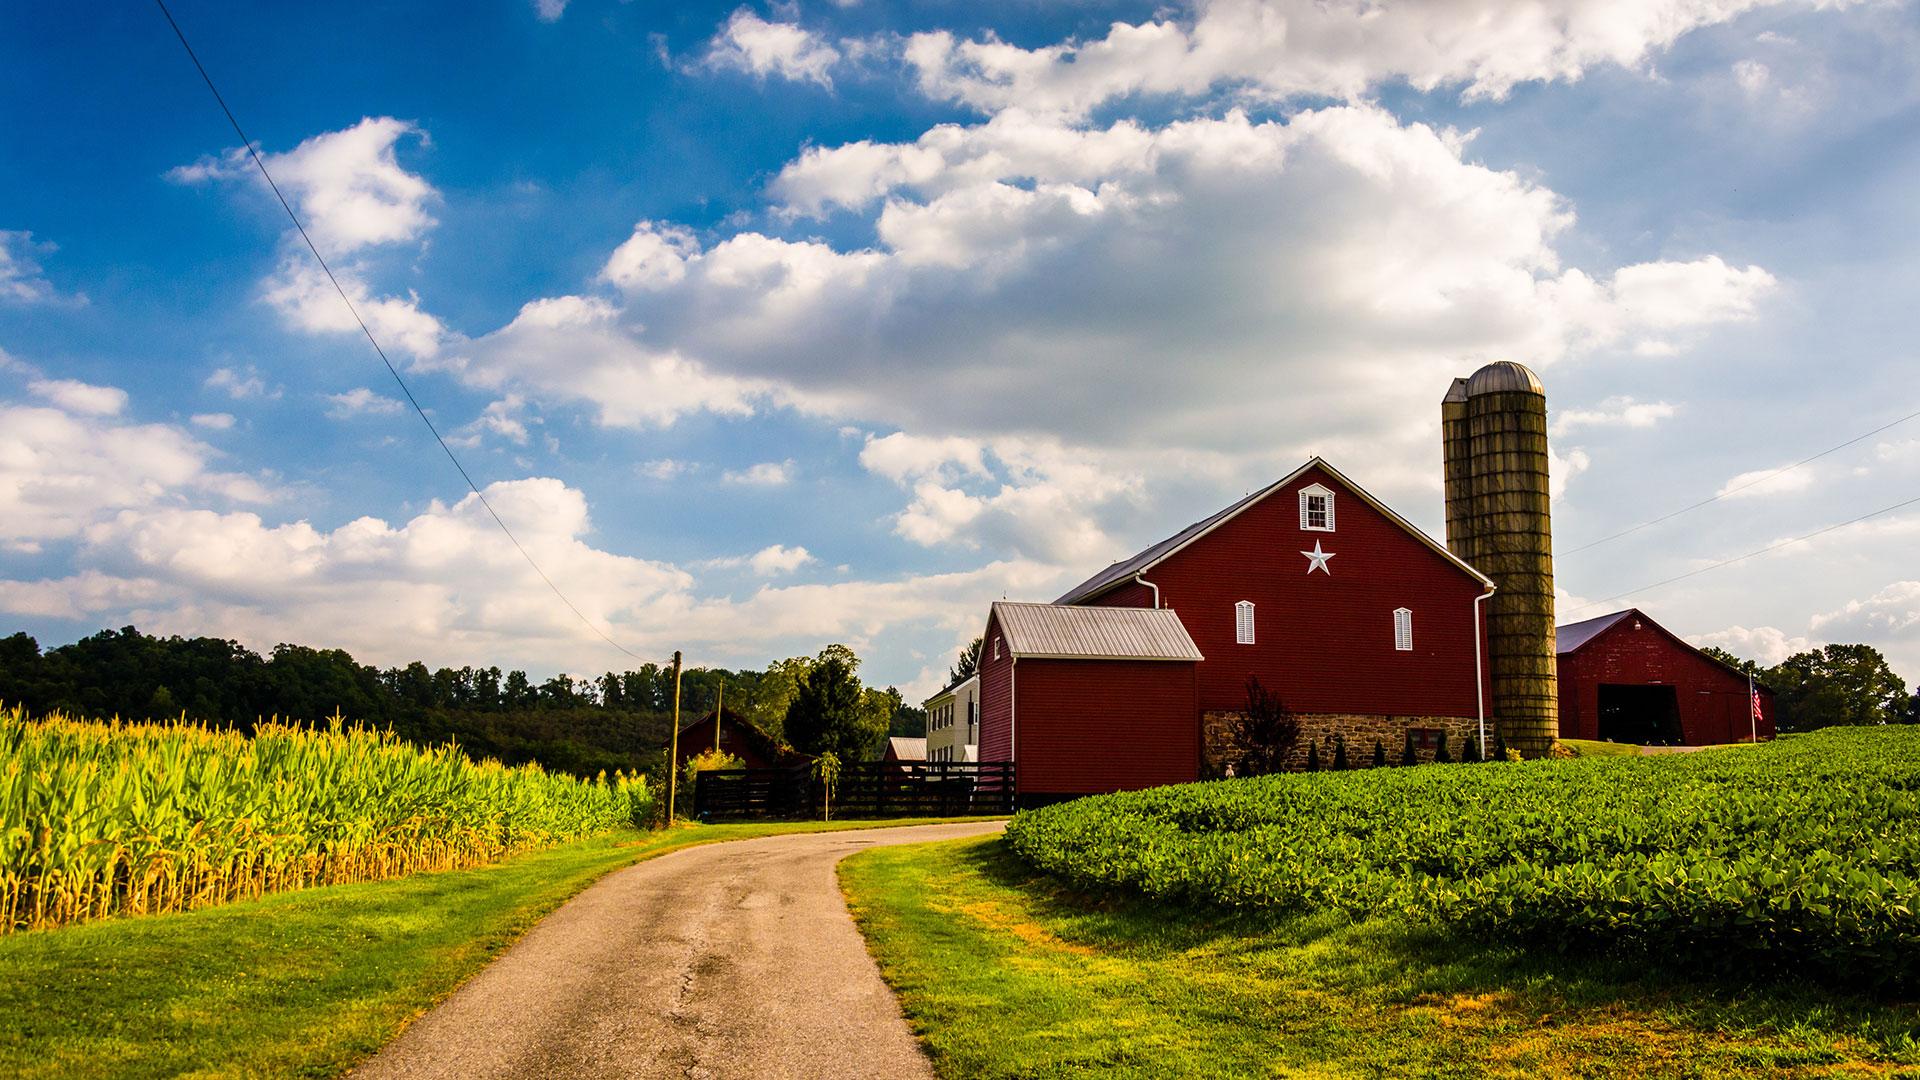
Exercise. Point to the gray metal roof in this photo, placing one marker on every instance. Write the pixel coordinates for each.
(908, 749)
(1058, 631)
(1141, 563)
(1503, 376)
(1573, 635)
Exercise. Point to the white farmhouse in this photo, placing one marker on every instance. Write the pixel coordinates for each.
(953, 722)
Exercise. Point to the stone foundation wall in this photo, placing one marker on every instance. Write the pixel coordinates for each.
(1360, 730)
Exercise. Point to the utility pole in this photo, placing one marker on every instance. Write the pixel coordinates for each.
(673, 743)
(719, 714)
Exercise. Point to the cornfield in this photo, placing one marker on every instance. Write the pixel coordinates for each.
(101, 819)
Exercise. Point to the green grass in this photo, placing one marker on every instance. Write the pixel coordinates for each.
(1005, 974)
(1597, 748)
(297, 984)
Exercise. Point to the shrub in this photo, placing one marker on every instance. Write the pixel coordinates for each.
(1379, 755)
(1441, 755)
(1800, 852)
(1471, 754)
(1313, 756)
(1410, 754)
(1340, 754)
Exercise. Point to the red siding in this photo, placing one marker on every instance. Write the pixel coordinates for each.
(996, 698)
(1713, 699)
(1324, 642)
(697, 738)
(1088, 726)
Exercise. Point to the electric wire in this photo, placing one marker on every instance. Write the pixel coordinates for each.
(1749, 555)
(371, 340)
(1735, 490)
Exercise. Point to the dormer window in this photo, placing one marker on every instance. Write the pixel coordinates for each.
(1316, 508)
(1243, 622)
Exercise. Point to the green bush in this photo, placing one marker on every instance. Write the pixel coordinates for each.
(1801, 850)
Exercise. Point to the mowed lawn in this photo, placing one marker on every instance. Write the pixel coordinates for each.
(297, 984)
(1003, 974)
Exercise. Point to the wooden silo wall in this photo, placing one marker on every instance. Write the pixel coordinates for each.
(1499, 521)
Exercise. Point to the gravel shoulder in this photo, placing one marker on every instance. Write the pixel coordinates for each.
(726, 960)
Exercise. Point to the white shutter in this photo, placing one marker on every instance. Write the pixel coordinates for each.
(1403, 629)
(1329, 511)
(1303, 512)
(1243, 622)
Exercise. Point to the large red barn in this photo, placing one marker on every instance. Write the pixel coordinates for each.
(1625, 678)
(1366, 627)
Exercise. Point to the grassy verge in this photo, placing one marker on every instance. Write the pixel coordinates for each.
(297, 984)
(1003, 974)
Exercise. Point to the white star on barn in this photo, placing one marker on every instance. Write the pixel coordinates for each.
(1317, 559)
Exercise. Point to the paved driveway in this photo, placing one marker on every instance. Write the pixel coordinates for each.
(728, 960)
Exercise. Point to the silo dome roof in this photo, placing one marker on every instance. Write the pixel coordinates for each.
(1504, 376)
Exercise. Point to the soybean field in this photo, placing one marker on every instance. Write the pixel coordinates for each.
(1800, 851)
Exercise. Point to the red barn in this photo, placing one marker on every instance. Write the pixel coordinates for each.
(1366, 627)
(1625, 678)
(739, 737)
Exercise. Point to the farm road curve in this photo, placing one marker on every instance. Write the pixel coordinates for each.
(735, 959)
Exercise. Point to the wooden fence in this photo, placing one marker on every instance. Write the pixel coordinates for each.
(867, 789)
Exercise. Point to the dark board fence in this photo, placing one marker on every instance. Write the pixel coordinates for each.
(867, 789)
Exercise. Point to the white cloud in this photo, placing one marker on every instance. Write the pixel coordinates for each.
(750, 44)
(1324, 48)
(361, 401)
(61, 472)
(653, 257)
(503, 418)
(573, 349)
(1752, 76)
(549, 10)
(78, 397)
(241, 384)
(764, 474)
(21, 279)
(1759, 482)
(1562, 468)
(662, 468)
(1764, 645)
(1622, 411)
(301, 292)
(218, 421)
(777, 559)
(347, 186)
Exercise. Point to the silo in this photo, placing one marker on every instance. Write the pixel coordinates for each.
(1494, 434)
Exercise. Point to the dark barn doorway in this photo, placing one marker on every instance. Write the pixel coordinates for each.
(1648, 715)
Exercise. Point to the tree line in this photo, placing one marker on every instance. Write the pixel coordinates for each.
(616, 720)
(1832, 686)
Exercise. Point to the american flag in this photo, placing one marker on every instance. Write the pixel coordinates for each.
(1753, 692)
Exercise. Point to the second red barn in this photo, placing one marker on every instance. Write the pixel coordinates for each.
(1367, 629)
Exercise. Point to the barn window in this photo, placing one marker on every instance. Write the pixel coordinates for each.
(996, 646)
(1243, 622)
(1316, 508)
(1403, 629)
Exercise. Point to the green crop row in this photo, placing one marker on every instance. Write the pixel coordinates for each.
(1805, 848)
(101, 819)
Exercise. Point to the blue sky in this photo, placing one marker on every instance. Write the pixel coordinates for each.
(781, 325)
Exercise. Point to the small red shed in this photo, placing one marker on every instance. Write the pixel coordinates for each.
(1625, 678)
(1095, 698)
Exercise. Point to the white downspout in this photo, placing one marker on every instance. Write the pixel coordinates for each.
(1156, 589)
(1479, 680)
(1013, 723)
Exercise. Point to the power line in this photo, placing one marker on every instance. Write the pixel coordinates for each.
(371, 340)
(1739, 488)
(1750, 554)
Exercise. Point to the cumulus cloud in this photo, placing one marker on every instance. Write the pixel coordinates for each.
(62, 471)
(360, 401)
(21, 279)
(778, 559)
(78, 397)
(1322, 48)
(655, 256)
(661, 468)
(1764, 645)
(764, 474)
(241, 384)
(1774, 481)
(348, 186)
(1893, 613)
(763, 49)
(1620, 411)
(304, 296)
(218, 421)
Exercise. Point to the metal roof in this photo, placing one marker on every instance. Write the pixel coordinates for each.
(908, 749)
(1057, 631)
(1125, 569)
(1573, 635)
(1503, 376)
